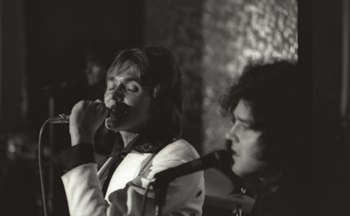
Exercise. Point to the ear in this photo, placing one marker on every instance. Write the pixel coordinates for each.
(156, 91)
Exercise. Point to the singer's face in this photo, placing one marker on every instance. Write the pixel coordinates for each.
(123, 86)
(247, 146)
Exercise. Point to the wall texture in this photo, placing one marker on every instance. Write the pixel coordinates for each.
(213, 41)
(234, 33)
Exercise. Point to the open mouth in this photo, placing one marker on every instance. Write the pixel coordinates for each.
(234, 153)
(118, 110)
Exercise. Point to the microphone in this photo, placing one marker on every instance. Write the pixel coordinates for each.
(64, 118)
(218, 159)
(61, 118)
(119, 109)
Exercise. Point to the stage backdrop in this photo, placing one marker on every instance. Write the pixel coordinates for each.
(214, 40)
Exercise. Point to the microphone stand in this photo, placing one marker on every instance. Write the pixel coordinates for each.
(162, 179)
(51, 138)
(51, 172)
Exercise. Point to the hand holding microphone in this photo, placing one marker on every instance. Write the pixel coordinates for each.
(85, 119)
(87, 116)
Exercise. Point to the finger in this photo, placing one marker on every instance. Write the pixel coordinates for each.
(101, 108)
(78, 106)
(99, 105)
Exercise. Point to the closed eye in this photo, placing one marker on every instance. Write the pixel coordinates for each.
(133, 87)
(240, 123)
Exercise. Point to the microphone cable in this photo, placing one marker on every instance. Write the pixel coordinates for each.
(144, 200)
(42, 186)
(62, 118)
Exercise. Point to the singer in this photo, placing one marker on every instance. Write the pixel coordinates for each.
(144, 103)
(264, 106)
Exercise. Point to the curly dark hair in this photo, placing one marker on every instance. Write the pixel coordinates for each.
(272, 92)
(157, 68)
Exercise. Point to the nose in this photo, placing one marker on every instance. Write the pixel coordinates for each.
(232, 135)
(115, 94)
(118, 94)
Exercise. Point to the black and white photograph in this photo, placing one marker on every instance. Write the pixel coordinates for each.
(174, 107)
